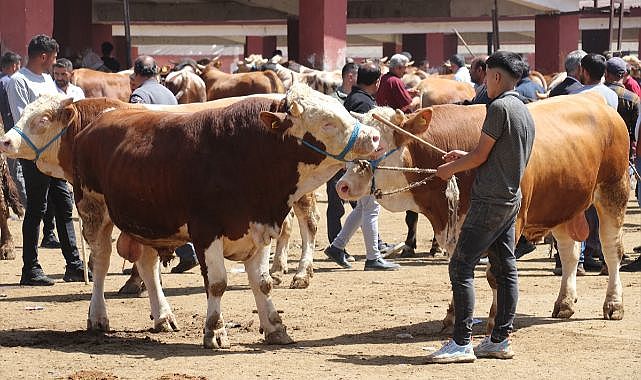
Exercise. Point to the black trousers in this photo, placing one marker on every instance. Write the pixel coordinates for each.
(48, 222)
(335, 208)
(38, 186)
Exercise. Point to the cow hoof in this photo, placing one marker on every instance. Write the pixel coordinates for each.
(277, 277)
(166, 324)
(7, 254)
(279, 337)
(562, 310)
(216, 339)
(434, 251)
(132, 287)
(100, 325)
(299, 282)
(613, 311)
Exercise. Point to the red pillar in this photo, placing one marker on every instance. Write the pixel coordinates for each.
(555, 36)
(74, 30)
(20, 20)
(391, 48)
(415, 44)
(441, 47)
(292, 38)
(323, 37)
(436, 48)
(260, 45)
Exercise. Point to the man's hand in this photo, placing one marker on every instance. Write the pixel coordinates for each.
(444, 172)
(454, 155)
(413, 92)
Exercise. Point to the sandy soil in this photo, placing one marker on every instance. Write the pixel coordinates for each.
(348, 324)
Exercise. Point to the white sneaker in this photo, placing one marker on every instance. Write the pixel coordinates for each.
(489, 349)
(452, 353)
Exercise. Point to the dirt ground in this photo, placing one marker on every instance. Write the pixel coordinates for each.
(348, 324)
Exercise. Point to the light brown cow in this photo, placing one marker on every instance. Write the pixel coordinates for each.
(436, 90)
(579, 157)
(97, 84)
(222, 85)
(242, 198)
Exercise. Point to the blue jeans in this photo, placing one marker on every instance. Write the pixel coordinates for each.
(38, 187)
(592, 245)
(335, 207)
(16, 173)
(487, 228)
(186, 252)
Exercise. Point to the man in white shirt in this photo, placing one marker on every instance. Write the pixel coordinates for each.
(25, 86)
(62, 76)
(461, 72)
(590, 73)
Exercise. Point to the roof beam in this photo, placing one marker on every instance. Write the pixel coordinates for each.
(550, 5)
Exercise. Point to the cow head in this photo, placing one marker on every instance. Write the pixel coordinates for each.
(357, 181)
(326, 120)
(36, 136)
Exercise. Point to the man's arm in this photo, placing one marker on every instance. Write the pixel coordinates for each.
(404, 100)
(18, 96)
(458, 160)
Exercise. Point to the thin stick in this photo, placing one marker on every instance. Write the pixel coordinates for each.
(85, 264)
(406, 133)
(463, 41)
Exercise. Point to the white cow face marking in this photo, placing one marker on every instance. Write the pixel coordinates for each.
(41, 121)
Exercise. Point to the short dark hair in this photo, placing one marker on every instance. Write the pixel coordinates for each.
(145, 66)
(42, 44)
(594, 64)
(9, 58)
(458, 60)
(368, 74)
(512, 63)
(526, 70)
(106, 47)
(350, 67)
(478, 62)
(64, 63)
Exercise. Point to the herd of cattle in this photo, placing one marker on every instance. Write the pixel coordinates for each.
(241, 136)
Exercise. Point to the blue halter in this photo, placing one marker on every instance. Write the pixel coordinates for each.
(33, 146)
(341, 155)
(374, 165)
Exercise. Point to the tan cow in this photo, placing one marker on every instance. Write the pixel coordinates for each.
(222, 85)
(186, 86)
(579, 157)
(436, 90)
(97, 84)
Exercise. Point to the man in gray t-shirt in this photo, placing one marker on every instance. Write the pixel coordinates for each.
(500, 159)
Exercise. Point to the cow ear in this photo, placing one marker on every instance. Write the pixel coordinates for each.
(275, 121)
(296, 109)
(419, 121)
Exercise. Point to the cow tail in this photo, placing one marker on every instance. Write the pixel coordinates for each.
(276, 83)
(9, 190)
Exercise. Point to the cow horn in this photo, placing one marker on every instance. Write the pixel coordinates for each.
(542, 96)
(201, 67)
(296, 109)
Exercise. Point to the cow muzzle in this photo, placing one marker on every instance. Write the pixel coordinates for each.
(10, 144)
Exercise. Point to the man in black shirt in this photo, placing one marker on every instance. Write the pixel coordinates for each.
(362, 98)
(571, 84)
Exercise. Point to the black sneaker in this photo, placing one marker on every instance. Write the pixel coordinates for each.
(184, 266)
(76, 274)
(337, 256)
(407, 252)
(634, 266)
(51, 243)
(592, 265)
(381, 264)
(349, 257)
(523, 247)
(36, 278)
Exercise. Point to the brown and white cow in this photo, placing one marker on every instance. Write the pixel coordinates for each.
(223, 85)
(579, 157)
(97, 84)
(186, 86)
(250, 166)
(9, 200)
